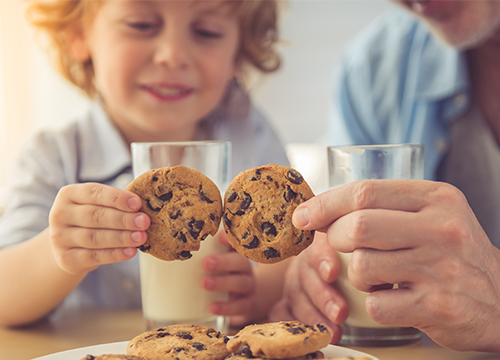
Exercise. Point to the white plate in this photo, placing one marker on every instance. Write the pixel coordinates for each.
(330, 351)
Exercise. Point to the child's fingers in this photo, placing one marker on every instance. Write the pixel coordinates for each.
(78, 260)
(100, 217)
(231, 261)
(223, 239)
(235, 283)
(99, 238)
(100, 194)
(240, 306)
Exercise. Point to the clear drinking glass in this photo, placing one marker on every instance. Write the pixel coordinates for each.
(351, 163)
(171, 290)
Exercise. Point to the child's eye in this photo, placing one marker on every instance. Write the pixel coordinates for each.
(208, 34)
(143, 26)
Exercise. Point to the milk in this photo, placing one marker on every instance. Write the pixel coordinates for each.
(356, 299)
(172, 292)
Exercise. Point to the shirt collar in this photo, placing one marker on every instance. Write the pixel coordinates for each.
(102, 150)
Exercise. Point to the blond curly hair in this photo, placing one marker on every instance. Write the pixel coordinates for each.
(56, 18)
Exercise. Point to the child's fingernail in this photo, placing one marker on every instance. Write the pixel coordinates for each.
(301, 216)
(211, 264)
(136, 237)
(332, 310)
(325, 268)
(139, 221)
(128, 251)
(134, 203)
(209, 283)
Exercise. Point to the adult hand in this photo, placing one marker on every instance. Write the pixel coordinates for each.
(308, 295)
(423, 236)
(93, 224)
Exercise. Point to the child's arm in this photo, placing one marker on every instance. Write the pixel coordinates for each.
(253, 289)
(90, 225)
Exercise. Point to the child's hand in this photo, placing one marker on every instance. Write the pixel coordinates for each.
(93, 224)
(238, 281)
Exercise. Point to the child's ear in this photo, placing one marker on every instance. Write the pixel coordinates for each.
(77, 44)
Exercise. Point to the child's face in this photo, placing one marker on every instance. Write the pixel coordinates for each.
(161, 66)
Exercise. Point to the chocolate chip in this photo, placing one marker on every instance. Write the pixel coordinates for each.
(289, 194)
(232, 197)
(226, 339)
(162, 335)
(246, 202)
(268, 228)
(152, 207)
(227, 221)
(185, 335)
(204, 196)
(203, 237)
(253, 244)
(301, 237)
(144, 248)
(195, 227)
(269, 178)
(245, 350)
(294, 177)
(271, 253)
(89, 357)
(179, 235)
(155, 178)
(239, 212)
(257, 175)
(198, 346)
(179, 349)
(212, 217)
(296, 330)
(322, 328)
(176, 215)
(185, 254)
(166, 197)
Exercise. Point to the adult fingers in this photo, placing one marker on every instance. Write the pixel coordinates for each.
(322, 257)
(325, 298)
(381, 229)
(323, 209)
(100, 194)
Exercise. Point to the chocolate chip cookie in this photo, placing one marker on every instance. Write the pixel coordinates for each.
(184, 206)
(258, 208)
(113, 357)
(317, 355)
(180, 342)
(280, 340)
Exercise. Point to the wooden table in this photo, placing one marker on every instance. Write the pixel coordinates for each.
(78, 328)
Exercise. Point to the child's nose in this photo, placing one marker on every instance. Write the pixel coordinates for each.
(173, 50)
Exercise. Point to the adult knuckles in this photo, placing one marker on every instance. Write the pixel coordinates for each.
(363, 194)
(98, 215)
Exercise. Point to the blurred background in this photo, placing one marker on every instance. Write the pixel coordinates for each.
(296, 99)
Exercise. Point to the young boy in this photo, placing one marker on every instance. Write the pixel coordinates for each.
(158, 71)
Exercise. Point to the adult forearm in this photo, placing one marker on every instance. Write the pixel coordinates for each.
(32, 283)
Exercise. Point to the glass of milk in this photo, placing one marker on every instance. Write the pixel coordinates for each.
(351, 163)
(171, 290)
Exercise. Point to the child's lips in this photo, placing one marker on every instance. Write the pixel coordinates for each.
(170, 93)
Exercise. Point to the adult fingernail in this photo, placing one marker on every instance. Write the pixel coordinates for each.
(128, 251)
(136, 237)
(332, 311)
(325, 268)
(301, 216)
(134, 203)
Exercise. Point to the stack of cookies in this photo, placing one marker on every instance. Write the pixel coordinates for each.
(290, 340)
